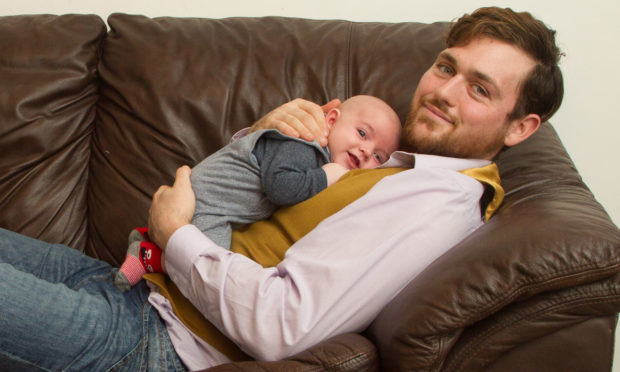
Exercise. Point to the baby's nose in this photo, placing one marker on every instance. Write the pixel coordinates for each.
(366, 150)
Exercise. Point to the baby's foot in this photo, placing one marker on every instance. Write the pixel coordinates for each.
(138, 234)
(142, 257)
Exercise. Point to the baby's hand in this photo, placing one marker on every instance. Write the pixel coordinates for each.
(333, 171)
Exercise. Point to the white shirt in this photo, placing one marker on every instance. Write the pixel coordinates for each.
(334, 280)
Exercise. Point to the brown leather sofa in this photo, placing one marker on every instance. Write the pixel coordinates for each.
(93, 120)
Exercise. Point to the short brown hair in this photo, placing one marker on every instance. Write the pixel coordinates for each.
(543, 89)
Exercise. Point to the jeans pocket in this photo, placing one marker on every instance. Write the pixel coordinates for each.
(154, 351)
(133, 360)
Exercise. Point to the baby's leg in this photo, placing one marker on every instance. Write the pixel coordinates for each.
(142, 257)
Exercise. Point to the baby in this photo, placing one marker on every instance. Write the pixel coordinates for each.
(248, 179)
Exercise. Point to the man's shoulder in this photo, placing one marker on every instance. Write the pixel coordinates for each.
(438, 185)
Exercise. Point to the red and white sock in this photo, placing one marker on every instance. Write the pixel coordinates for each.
(150, 256)
(142, 257)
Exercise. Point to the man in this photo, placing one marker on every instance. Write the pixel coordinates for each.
(492, 87)
(475, 99)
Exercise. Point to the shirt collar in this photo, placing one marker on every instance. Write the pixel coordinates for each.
(402, 159)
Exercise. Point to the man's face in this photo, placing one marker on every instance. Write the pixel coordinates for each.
(461, 106)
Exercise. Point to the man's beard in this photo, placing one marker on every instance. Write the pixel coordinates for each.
(451, 143)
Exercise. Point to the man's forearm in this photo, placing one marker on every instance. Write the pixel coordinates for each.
(171, 208)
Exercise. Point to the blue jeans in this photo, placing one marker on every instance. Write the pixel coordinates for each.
(59, 310)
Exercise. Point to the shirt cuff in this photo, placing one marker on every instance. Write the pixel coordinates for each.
(184, 247)
(240, 133)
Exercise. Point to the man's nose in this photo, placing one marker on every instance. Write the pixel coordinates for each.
(448, 91)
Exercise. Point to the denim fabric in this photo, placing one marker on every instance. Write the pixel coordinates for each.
(59, 310)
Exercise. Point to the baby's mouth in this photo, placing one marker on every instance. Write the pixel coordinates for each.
(353, 161)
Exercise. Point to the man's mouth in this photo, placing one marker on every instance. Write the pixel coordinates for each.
(353, 161)
(437, 112)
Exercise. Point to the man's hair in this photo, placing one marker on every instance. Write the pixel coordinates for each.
(543, 89)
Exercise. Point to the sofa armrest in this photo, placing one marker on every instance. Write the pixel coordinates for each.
(570, 329)
(348, 352)
(549, 239)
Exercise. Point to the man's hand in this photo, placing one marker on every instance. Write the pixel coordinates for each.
(172, 207)
(299, 118)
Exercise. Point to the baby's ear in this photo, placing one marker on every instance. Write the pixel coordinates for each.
(331, 117)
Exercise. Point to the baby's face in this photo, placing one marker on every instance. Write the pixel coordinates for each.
(364, 135)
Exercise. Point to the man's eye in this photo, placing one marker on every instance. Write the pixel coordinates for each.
(479, 90)
(444, 69)
(362, 133)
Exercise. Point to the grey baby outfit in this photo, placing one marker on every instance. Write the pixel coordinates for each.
(250, 178)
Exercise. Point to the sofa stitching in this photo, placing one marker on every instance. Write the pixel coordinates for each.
(567, 301)
(440, 355)
(522, 286)
(99, 59)
(476, 345)
(357, 359)
(347, 84)
(436, 343)
(536, 315)
(482, 312)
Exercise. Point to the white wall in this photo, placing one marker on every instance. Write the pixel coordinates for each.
(589, 34)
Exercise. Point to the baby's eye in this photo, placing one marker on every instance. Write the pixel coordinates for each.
(379, 158)
(362, 133)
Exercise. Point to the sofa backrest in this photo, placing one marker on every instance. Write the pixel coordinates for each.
(175, 90)
(48, 93)
(94, 120)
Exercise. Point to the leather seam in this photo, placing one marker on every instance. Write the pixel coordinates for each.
(477, 344)
(358, 359)
(347, 85)
(540, 284)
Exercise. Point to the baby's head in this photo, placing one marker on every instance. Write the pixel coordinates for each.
(364, 131)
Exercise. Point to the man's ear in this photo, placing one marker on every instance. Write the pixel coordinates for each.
(331, 117)
(521, 129)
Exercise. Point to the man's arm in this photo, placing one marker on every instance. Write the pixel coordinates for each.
(172, 207)
(299, 118)
(339, 276)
